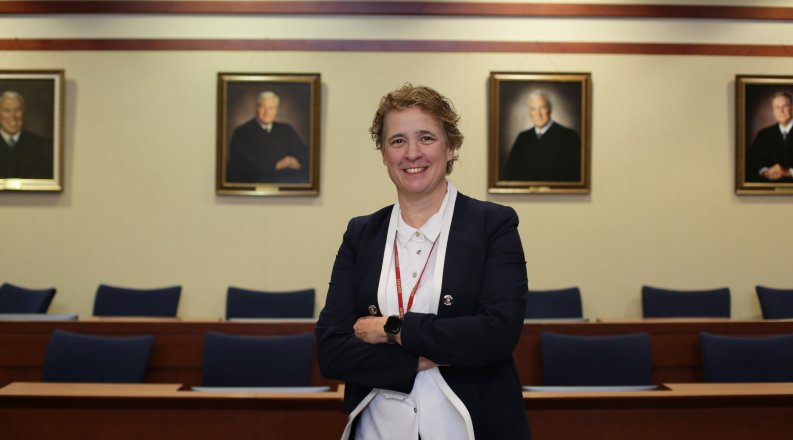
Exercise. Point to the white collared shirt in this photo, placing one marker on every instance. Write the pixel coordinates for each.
(785, 129)
(426, 411)
(541, 131)
(10, 139)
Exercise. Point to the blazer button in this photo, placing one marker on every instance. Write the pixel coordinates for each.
(373, 310)
(448, 300)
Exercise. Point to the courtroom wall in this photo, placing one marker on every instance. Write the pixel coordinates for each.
(139, 206)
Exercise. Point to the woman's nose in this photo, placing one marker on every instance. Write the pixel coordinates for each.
(413, 150)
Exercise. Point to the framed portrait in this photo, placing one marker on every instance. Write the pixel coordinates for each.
(764, 141)
(268, 134)
(31, 130)
(539, 132)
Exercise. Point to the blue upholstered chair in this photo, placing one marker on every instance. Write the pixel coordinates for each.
(668, 303)
(775, 303)
(244, 303)
(614, 360)
(550, 304)
(75, 357)
(747, 358)
(257, 361)
(122, 301)
(15, 299)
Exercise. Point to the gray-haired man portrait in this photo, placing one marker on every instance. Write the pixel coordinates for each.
(548, 151)
(770, 157)
(23, 154)
(265, 151)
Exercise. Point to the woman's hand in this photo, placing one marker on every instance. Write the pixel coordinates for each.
(370, 329)
(425, 364)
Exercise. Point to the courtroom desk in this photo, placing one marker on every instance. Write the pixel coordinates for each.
(679, 411)
(136, 411)
(178, 344)
(674, 342)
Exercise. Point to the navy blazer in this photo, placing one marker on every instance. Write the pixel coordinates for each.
(484, 272)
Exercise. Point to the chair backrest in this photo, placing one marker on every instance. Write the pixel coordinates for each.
(668, 303)
(576, 360)
(15, 299)
(257, 361)
(75, 357)
(775, 303)
(122, 301)
(747, 359)
(560, 303)
(244, 303)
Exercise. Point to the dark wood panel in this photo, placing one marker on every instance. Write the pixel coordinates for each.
(720, 412)
(178, 347)
(396, 46)
(484, 9)
(179, 344)
(163, 418)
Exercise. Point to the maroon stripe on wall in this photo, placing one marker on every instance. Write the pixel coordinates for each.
(398, 46)
(397, 8)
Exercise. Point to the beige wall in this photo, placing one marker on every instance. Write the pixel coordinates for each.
(139, 208)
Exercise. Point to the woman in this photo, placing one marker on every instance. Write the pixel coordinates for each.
(427, 296)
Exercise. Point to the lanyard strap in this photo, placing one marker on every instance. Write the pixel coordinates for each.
(399, 278)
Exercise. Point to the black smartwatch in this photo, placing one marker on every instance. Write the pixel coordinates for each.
(392, 326)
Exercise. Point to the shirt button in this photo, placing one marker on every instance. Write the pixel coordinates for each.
(418, 234)
(415, 274)
(418, 252)
(415, 410)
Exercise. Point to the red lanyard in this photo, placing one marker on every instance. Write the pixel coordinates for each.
(399, 278)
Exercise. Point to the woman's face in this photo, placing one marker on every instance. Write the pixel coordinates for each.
(415, 151)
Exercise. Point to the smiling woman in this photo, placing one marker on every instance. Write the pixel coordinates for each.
(427, 296)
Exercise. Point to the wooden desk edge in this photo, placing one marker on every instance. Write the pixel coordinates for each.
(56, 389)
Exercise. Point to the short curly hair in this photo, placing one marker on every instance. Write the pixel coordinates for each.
(429, 101)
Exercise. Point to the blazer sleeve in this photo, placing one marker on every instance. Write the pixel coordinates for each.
(341, 355)
(489, 331)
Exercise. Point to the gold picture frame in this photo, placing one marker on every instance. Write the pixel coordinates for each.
(31, 130)
(554, 159)
(268, 134)
(764, 155)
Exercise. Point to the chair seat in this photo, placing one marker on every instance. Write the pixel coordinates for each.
(257, 361)
(123, 301)
(15, 299)
(75, 357)
(727, 358)
(613, 360)
(246, 303)
(775, 303)
(554, 304)
(669, 303)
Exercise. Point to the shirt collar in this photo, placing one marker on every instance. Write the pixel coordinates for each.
(7, 136)
(266, 127)
(541, 131)
(431, 229)
(786, 128)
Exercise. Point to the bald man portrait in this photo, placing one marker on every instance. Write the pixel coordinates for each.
(23, 154)
(263, 150)
(547, 152)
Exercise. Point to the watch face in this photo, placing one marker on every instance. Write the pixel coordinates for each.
(393, 324)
